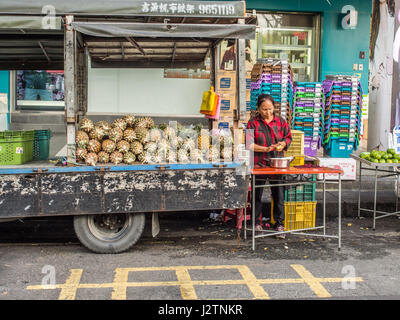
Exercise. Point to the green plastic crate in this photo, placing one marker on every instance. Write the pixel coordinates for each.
(16, 147)
(41, 145)
(305, 192)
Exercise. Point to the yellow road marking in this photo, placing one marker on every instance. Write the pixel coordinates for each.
(119, 284)
(68, 291)
(253, 283)
(314, 283)
(186, 284)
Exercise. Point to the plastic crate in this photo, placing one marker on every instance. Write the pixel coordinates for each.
(16, 147)
(298, 215)
(41, 145)
(296, 148)
(297, 161)
(304, 192)
(339, 148)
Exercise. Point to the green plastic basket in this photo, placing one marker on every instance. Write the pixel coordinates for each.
(300, 193)
(41, 145)
(16, 147)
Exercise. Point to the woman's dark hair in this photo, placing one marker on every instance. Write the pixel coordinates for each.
(263, 97)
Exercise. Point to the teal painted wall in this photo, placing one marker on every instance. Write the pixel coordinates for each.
(5, 88)
(340, 48)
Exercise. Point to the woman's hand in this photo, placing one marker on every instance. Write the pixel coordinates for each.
(270, 148)
(280, 145)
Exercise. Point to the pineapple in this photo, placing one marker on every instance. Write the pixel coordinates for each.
(140, 157)
(129, 135)
(203, 141)
(91, 159)
(149, 122)
(116, 157)
(213, 154)
(163, 145)
(130, 120)
(169, 133)
(123, 146)
(136, 147)
(103, 157)
(154, 135)
(105, 126)
(80, 154)
(159, 157)
(116, 134)
(108, 146)
(196, 155)
(86, 125)
(148, 157)
(171, 156)
(94, 146)
(198, 128)
(182, 156)
(226, 154)
(139, 123)
(188, 144)
(129, 157)
(82, 139)
(151, 147)
(141, 134)
(97, 133)
(119, 123)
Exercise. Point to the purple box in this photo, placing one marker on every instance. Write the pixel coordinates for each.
(311, 146)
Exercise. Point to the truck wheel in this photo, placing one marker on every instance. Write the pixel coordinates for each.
(109, 233)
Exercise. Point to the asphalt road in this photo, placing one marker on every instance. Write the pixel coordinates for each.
(196, 258)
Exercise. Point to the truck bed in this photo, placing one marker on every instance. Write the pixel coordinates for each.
(43, 189)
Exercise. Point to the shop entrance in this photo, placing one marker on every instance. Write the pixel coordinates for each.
(291, 36)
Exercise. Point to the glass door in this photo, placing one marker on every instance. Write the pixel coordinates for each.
(290, 36)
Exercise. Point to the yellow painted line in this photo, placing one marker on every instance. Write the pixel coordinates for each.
(185, 282)
(313, 283)
(252, 283)
(119, 285)
(68, 290)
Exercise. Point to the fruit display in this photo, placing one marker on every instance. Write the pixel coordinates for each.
(131, 139)
(376, 156)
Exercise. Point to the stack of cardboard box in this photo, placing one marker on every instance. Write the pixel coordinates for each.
(227, 88)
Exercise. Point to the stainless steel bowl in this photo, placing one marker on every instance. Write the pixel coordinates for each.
(280, 162)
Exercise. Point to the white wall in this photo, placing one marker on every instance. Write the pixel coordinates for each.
(143, 91)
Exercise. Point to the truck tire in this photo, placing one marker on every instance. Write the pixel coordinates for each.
(109, 233)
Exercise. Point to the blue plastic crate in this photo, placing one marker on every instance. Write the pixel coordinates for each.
(339, 148)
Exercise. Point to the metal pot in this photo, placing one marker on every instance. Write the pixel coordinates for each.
(280, 162)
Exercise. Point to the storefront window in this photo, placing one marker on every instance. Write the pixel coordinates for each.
(290, 36)
(40, 88)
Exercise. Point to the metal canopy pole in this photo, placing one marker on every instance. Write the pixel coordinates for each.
(241, 76)
(70, 86)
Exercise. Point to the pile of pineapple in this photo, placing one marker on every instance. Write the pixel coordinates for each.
(132, 140)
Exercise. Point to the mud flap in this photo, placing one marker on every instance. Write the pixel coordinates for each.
(155, 225)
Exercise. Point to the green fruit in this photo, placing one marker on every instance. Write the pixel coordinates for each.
(363, 155)
(391, 151)
(397, 156)
(395, 161)
(389, 161)
(378, 156)
(367, 158)
(385, 156)
(390, 156)
(373, 153)
(382, 161)
(375, 160)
